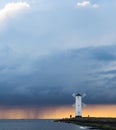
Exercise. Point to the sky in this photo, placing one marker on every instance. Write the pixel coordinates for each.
(50, 49)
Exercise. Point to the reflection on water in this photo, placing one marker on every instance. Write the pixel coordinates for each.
(37, 125)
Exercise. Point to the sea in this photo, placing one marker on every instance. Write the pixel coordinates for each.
(38, 125)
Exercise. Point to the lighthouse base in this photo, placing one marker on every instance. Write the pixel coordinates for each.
(78, 116)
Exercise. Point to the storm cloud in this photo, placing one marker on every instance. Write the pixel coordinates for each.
(52, 80)
(55, 49)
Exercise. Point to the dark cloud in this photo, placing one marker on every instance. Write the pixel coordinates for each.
(53, 79)
(104, 55)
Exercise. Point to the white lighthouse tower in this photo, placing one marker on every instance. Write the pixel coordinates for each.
(78, 105)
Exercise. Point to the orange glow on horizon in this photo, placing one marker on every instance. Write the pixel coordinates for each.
(91, 110)
(100, 111)
(55, 112)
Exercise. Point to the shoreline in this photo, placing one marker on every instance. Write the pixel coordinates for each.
(94, 123)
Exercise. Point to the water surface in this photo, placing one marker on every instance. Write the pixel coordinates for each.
(37, 125)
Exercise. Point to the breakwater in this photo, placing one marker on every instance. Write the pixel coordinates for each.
(97, 123)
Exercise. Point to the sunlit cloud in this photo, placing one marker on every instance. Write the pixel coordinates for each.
(12, 9)
(87, 4)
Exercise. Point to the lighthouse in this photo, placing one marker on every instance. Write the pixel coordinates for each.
(78, 105)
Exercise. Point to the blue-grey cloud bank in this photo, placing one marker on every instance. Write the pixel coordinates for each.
(51, 49)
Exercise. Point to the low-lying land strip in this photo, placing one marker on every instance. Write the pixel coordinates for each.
(100, 123)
